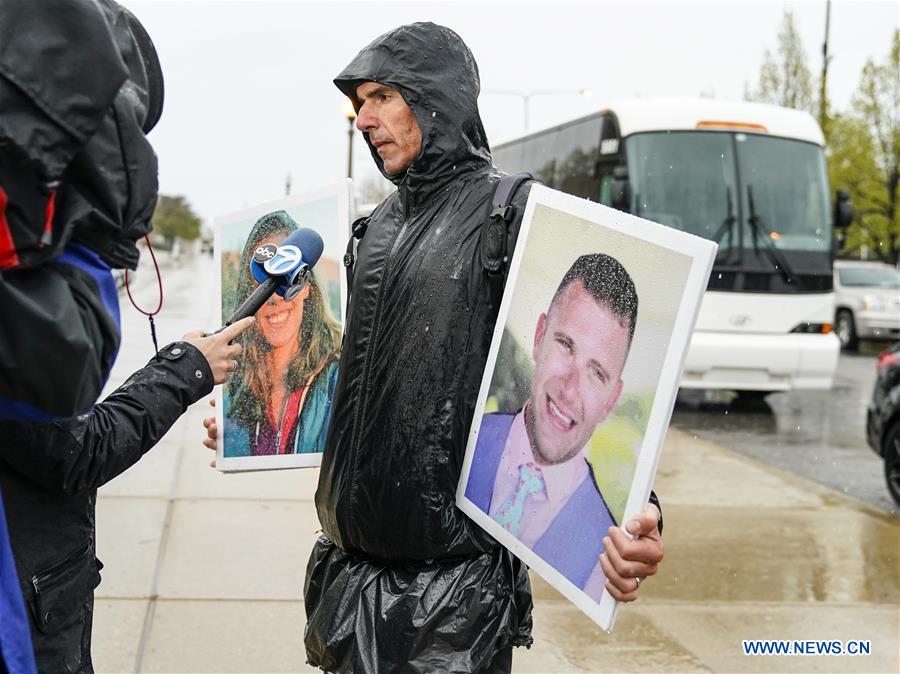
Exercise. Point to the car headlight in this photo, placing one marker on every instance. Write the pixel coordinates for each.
(873, 303)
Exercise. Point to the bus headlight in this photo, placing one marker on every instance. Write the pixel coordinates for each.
(812, 328)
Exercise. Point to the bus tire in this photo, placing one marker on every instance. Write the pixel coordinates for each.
(751, 401)
(752, 394)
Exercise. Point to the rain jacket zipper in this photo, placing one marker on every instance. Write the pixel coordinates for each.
(52, 576)
(372, 344)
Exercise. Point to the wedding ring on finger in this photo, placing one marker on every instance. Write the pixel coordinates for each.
(637, 583)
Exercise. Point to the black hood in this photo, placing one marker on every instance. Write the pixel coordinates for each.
(437, 76)
(80, 87)
(67, 61)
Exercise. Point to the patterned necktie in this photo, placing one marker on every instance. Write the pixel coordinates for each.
(531, 482)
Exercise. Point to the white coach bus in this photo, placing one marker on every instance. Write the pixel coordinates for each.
(749, 176)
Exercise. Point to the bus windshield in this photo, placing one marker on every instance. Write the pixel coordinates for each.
(684, 180)
(733, 188)
(787, 182)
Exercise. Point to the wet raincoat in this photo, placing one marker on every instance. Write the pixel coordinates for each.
(80, 86)
(403, 581)
(50, 472)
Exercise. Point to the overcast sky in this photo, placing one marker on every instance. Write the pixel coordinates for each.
(249, 96)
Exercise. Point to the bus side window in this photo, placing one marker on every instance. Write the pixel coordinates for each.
(577, 149)
(539, 157)
(509, 158)
(606, 190)
(605, 176)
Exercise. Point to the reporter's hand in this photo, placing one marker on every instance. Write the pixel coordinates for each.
(628, 561)
(212, 433)
(218, 350)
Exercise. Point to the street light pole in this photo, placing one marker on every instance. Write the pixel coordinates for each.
(526, 103)
(350, 114)
(527, 95)
(823, 92)
(350, 149)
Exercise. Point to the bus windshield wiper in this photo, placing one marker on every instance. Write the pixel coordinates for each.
(771, 250)
(727, 226)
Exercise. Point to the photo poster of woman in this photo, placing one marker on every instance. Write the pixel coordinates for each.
(274, 409)
(579, 385)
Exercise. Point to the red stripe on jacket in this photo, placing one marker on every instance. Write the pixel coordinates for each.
(8, 256)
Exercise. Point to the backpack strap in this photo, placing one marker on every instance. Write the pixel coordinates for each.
(494, 234)
(357, 232)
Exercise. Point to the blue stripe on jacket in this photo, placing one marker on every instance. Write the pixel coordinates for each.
(83, 258)
(15, 635)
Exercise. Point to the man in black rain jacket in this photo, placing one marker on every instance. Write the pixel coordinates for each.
(401, 580)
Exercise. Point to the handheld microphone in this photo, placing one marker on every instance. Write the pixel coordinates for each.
(280, 269)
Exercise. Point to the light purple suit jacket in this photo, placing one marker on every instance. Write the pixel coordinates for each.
(574, 540)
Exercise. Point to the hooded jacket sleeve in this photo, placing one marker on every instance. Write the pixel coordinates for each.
(75, 454)
(58, 339)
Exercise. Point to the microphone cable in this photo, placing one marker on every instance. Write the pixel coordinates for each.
(150, 314)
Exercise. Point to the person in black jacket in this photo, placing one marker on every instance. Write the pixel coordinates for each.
(401, 580)
(80, 87)
(50, 472)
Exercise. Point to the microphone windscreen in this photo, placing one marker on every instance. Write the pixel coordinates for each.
(309, 242)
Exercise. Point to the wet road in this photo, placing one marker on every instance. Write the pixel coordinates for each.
(819, 435)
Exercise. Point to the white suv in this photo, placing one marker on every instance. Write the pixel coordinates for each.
(867, 301)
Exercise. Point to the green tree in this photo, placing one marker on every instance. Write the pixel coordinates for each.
(864, 158)
(877, 101)
(785, 80)
(852, 167)
(173, 218)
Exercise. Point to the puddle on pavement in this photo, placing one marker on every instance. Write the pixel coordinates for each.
(778, 554)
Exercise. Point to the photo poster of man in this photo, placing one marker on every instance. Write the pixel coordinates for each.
(579, 385)
(273, 410)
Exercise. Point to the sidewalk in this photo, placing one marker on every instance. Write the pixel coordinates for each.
(204, 571)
